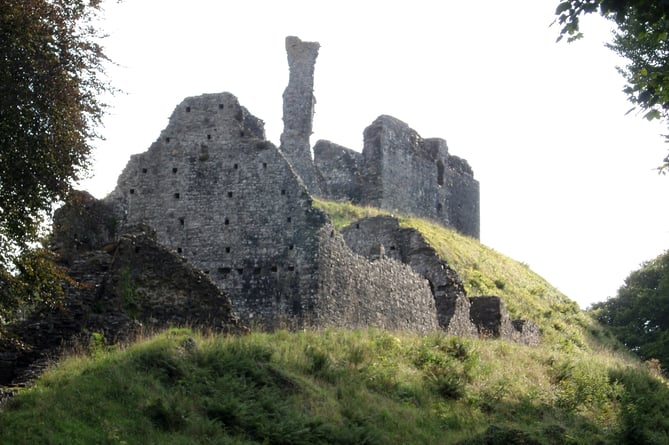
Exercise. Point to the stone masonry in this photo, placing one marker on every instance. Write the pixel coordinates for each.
(215, 226)
(382, 236)
(230, 204)
(298, 110)
(226, 200)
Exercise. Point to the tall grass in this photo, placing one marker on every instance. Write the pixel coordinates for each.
(336, 387)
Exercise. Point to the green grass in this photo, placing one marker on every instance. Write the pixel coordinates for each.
(336, 387)
(358, 387)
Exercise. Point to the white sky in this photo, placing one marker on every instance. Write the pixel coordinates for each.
(566, 177)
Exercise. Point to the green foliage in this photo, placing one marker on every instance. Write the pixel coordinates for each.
(639, 314)
(37, 281)
(51, 76)
(128, 294)
(337, 387)
(644, 404)
(641, 38)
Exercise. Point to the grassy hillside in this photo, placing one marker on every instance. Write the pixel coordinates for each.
(358, 387)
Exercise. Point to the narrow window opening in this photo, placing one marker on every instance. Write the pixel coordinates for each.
(206, 272)
(229, 194)
(289, 219)
(440, 172)
(224, 270)
(144, 170)
(227, 250)
(241, 134)
(221, 106)
(174, 169)
(132, 191)
(256, 271)
(167, 140)
(235, 166)
(357, 226)
(187, 109)
(136, 249)
(208, 136)
(392, 247)
(182, 221)
(283, 192)
(439, 207)
(274, 269)
(291, 247)
(177, 196)
(226, 222)
(264, 165)
(179, 250)
(332, 234)
(240, 270)
(291, 268)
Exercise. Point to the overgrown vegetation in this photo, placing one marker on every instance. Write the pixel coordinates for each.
(639, 313)
(337, 387)
(363, 386)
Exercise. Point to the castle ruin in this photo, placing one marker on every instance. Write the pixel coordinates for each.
(240, 210)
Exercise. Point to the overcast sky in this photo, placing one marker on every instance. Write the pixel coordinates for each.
(567, 180)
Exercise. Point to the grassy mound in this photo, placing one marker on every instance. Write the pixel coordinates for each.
(337, 387)
(358, 387)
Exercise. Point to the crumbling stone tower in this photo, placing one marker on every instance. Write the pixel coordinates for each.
(298, 110)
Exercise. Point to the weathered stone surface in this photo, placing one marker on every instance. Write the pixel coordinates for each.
(340, 168)
(230, 204)
(357, 292)
(137, 285)
(298, 110)
(405, 173)
(82, 224)
(371, 235)
(492, 320)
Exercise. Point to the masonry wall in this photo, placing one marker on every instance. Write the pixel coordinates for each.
(382, 236)
(226, 200)
(341, 170)
(402, 172)
(355, 292)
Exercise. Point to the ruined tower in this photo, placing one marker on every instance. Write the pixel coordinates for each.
(298, 110)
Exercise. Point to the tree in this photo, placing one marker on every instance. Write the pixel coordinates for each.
(639, 314)
(51, 78)
(642, 39)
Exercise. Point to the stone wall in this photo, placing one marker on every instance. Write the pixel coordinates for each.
(401, 172)
(383, 236)
(341, 170)
(356, 292)
(229, 203)
(224, 198)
